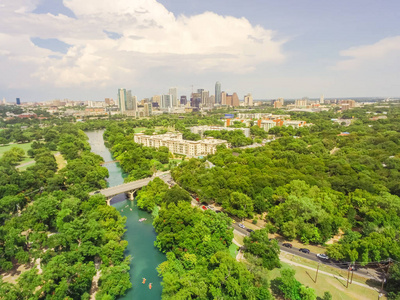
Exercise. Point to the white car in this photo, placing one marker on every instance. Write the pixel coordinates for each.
(210, 207)
(241, 225)
(323, 256)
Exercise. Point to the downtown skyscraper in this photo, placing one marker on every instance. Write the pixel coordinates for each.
(174, 96)
(218, 93)
(126, 102)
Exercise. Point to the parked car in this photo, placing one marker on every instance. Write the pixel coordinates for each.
(304, 250)
(249, 230)
(204, 207)
(323, 256)
(242, 226)
(96, 192)
(288, 245)
(210, 207)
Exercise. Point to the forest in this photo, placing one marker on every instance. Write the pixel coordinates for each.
(49, 223)
(308, 184)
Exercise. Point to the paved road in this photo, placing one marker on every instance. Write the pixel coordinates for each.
(328, 274)
(363, 272)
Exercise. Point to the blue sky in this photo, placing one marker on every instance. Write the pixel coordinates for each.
(86, 50)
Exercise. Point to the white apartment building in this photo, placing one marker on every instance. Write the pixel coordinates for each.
(176, 144)
(200, 129)
(253, 115)
(267, 124)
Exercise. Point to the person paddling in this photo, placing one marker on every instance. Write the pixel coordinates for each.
(144, 280)
(150, 286)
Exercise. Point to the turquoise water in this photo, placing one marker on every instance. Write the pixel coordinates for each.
(140, 235)
(146, 257)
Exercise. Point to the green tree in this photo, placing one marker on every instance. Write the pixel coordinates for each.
(239, 205)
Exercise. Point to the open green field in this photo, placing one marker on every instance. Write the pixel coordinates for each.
(336, 287)
(326, 268)
(139, 129)
(24, 147)
(233, 250)
(61, 162)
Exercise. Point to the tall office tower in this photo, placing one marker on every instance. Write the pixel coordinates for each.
(4, 101)
(134, 103)
(129, 100)
(166, 101)
(204, 97)
(200, 91)
(223, 98)
(195, 100)
(18, 101)
(156, 99)
(211, 101)
(147, 108)
(183, 100)
(174, 96)
(229, 100)
(321, 99)
(235, 100)
(107, 101)
(218, 93)
(122, 100)
(248, 100)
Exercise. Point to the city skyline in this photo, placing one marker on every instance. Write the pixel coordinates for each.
(65, 49)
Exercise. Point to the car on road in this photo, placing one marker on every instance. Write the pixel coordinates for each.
(210, 207)
(96, 192)
(249, 230)
(233, 221)
(241, 226)
(204, 207)
(304, 250)
(288, 245)
(323, 256)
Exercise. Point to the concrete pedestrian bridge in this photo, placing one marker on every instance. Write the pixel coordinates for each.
(129, 188)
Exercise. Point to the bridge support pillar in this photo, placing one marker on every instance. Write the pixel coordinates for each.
(131, 194)
(108, 201)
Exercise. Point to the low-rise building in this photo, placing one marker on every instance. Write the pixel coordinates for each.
(201, 129)
(176, 144)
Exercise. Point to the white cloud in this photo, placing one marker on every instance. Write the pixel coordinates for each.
(152, 37)
(381, 53)
(370, 70)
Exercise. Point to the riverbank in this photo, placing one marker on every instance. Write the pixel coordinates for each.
(140, 235)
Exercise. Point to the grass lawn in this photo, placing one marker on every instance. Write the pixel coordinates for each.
(238, 238)
(338, 272)
(139, 129)
(24, 147)
(233, 250)
(61, 162)
(336, 287)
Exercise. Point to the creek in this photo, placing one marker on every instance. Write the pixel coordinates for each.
(140, 235)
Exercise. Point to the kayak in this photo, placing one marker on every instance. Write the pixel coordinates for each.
(142, 219)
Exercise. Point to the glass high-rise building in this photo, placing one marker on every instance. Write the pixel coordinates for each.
(174, 96)
(126, 101)
(217, 92)
(18, 101)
